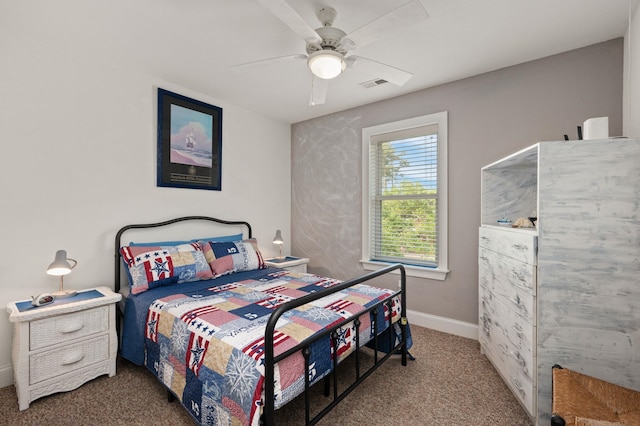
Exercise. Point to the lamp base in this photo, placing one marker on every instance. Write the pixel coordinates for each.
(63, 294)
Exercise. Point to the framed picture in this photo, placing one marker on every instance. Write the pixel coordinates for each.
(189, 142)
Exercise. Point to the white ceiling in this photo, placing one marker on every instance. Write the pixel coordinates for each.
(193, 43)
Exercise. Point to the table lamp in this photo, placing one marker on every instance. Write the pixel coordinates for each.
(279, 242)
(61, 267)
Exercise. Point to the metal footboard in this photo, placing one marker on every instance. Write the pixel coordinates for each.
(360, 376)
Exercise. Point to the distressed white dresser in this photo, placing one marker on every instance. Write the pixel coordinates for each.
(568, 291)
(59, 347)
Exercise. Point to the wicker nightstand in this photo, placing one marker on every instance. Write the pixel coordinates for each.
(61, 346)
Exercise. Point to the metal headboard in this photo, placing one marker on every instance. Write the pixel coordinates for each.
(118, 263)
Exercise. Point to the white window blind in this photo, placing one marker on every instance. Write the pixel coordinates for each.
(403, 196)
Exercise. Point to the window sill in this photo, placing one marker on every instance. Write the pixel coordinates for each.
(411, 271)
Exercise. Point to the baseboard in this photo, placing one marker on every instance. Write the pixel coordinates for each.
(446, 325)
(6, 375)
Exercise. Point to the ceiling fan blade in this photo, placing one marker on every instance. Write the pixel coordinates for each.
(319, 87)
(283, 11)
(379, 70)
(249, 66)
(404, 16)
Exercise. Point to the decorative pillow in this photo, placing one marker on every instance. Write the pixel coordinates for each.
(149, 267)
(229, 257)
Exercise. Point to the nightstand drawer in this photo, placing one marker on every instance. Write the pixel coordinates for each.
(53, 363)
(63, 328)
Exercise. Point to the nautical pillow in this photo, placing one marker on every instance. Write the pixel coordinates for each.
(154, 266)
(235, 256)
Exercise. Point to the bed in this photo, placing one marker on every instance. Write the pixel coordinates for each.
(214, 324)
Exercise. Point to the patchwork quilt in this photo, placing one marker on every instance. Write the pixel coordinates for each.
(208, 347)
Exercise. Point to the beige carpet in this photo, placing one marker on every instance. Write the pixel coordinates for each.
(450, 383)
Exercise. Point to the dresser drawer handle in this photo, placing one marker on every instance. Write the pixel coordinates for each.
(517, 276)
(71, 327)
(518, 302)
(519, 358)
(518, 386)
(518, 329)
(72, 358)
(504, 348)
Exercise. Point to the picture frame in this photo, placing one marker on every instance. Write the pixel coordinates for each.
(189, 143)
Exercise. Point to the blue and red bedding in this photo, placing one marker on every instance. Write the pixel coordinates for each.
(205, 343)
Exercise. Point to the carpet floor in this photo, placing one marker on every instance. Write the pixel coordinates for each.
(449, 383)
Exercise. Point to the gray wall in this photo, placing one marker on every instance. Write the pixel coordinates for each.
(490, 116)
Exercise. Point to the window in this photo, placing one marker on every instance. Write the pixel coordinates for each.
(404, 206)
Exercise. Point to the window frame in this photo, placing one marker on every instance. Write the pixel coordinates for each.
(439, 119)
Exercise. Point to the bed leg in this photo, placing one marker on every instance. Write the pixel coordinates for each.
(327, 385)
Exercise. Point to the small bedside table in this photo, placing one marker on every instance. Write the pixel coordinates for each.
(59, 347)
(297, 264)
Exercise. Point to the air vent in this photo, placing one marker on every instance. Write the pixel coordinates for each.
(373, 83)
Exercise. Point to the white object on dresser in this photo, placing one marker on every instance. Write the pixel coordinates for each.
(575, 301)
(59, 347)
(296, 264)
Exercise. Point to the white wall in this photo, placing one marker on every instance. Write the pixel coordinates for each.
(631, 100)
(78, 161)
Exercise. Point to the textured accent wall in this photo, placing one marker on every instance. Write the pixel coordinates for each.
(490, 116)
(326, 194)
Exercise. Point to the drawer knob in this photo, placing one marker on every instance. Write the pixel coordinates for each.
(71, 327)
(72, 358)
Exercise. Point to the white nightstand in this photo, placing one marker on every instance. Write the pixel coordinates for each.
(59, 347)
(297, 264)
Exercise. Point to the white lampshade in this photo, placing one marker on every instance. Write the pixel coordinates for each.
(60, 267)
(278, 238)
(279, 241)
(326, 64)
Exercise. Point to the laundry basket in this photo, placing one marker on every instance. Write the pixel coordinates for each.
(581, 400)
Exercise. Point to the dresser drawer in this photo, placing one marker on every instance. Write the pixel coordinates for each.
(514, 361)
(66, 327)
(510, 326)
(521, 384)
(521, 246)
(55, 362)
(509, 279)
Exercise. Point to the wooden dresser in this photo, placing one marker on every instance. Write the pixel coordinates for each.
(567, 291)
(507, 295)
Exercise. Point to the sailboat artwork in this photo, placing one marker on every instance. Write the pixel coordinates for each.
(191, 137)
(189, 142)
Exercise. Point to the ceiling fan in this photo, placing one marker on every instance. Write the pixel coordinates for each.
(327, 47)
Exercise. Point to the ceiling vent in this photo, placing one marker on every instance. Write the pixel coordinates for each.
(373, 83)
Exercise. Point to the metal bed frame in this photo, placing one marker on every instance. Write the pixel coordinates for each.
(271, 360)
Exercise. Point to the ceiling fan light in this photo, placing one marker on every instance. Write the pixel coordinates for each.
(326, 64)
